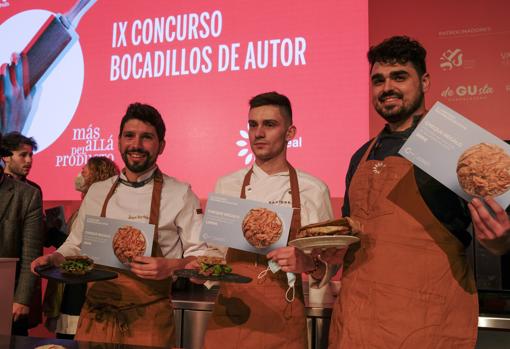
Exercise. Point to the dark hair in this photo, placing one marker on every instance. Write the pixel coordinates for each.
(145, 113)
(14, 140)
(101, 168)
(399, 49)
(276, 99)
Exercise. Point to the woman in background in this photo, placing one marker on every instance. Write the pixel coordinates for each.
(63, 303)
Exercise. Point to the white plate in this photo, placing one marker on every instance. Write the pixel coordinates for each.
(307, 244)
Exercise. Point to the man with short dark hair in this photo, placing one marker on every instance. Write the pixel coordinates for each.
(21, 237)
(264, 313)
(19, 164)
(409, 285)
(135, 308)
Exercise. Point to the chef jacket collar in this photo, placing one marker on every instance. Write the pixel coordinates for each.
(261, 174)
(140, 181)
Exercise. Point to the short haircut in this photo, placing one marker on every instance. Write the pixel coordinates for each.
(145, 113)
(276, 99)
(399, 49)
(101, 168)
(14, 140)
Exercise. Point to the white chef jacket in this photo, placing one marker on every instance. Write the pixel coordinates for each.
(275, 189)
(180, 217)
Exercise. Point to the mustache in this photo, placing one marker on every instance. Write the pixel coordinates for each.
(387, 94)
(137, 150)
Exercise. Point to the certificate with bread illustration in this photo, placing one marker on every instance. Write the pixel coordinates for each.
(115, 242)
(245, 224)
(461, 155)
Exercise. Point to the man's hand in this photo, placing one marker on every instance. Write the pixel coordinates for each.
(19, 311)
(292, 260)
(54, 259)
(331, 255)
(194, 265)
(492, 232)
(156, 268)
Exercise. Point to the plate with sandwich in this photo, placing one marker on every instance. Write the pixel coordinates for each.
(213, 269)
(332, 233)
(75, 270)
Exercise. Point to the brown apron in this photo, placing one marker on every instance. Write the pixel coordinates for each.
(410, 285)
(256, 315)
(130, 310)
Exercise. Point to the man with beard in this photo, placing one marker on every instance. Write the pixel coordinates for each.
(19, 164)
(409, 284)
(135, 308)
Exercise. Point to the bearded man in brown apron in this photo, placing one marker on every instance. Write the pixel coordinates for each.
(135, 308)
(262, 314)
(408, 285)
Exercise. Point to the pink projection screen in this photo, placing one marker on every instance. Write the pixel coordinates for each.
(198, 62)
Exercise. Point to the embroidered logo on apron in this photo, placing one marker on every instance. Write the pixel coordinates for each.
(377, 168)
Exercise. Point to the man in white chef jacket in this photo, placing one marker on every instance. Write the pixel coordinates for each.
(135, 309)
(260, 314)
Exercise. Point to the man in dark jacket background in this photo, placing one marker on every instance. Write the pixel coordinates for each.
(20, 237)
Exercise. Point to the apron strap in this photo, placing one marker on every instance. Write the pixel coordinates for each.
(294, 191)
(296, 202)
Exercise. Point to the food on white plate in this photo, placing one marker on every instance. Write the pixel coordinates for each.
(342, 226)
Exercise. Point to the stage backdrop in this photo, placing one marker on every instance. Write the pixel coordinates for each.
(198, 62)
(468, 58)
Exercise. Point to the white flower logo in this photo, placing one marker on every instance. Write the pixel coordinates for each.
(244, 145)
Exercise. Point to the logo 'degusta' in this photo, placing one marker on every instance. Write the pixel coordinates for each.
(244, 144)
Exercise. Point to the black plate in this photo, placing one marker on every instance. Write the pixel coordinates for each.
(192, 273)
(54, 273)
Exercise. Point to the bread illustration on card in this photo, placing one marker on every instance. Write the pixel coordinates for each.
(128, 242)
(262, 227)
(484, 170)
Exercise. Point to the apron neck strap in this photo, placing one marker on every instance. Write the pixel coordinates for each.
(369, 149)
(294, 191)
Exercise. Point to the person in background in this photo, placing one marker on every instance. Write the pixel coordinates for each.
(21, 237)
(135, 308)
(18, 166)
(262, 313)
(62, 303)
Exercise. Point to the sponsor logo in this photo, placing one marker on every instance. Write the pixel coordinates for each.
(451, 59)
(245, 151)
(507, 88)
(4, 3)
(465, 32)
(467, 92)
(378, 167)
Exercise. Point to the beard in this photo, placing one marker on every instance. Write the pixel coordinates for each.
(139, 166)
(396, 115)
